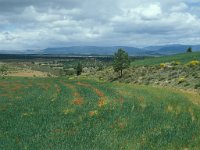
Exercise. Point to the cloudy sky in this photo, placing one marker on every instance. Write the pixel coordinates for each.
(38, 24)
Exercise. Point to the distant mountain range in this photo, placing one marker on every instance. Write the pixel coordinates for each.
(147, 51)
(110, 50)
(171, 49)
(92, 50)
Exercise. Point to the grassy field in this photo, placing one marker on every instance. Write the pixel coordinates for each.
(56, 113)
(183, 58)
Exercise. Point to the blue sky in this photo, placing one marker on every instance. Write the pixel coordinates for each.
(36, 24)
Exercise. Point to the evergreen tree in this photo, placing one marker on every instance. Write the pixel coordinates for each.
(3, 70)
(79, 69)
(121, 61)
(189, 50)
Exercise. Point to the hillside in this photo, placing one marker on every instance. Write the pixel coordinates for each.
(180, 71)
(57, 113)
(171, 49)
(182, 58)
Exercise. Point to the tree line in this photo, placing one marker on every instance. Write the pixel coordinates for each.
(121, 61)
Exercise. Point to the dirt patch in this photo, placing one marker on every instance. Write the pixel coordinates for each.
(28, 73)
(4, 84)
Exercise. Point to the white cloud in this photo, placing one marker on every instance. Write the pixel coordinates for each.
(106, 22)
(179, 7)
(153, 11)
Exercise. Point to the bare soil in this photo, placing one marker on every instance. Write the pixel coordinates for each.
(28, 73)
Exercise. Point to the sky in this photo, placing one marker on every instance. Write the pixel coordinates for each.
(39, 24)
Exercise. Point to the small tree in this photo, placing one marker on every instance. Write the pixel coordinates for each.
(79, 69)
(121, 61)
(189, 50)
(3, 70)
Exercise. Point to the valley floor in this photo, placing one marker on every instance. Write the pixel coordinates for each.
(56, 113)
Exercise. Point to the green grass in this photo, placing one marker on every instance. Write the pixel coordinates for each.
(183, 58)
(47, 113)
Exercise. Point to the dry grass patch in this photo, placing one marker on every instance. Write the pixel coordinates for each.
(28, 73)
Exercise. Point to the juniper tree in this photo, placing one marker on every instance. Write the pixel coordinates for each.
(121, 61)
(79, 69)
(189, 50)
(3, 70)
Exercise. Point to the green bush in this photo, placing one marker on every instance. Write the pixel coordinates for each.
(197, 86)
(181, 80)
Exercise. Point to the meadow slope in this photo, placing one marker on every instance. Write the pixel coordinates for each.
(182, 58)
(180, 71)
(56, 113)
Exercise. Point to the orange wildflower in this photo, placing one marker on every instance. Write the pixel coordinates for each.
(78, 101)
(92, 113)
(98, 92)
(102, 102)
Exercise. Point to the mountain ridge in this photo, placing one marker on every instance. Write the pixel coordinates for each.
(110, 50)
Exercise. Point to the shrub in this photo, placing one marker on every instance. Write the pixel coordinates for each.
(162, 65)
(69, 71)
(193, 63)
(48, 75)
(175, 63)
(181, 80)
(186, 84)
(161, 78)
(197, 86)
